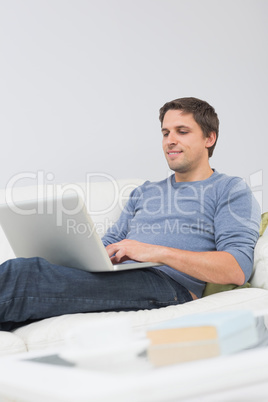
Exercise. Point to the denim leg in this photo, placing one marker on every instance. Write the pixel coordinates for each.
(33, 289)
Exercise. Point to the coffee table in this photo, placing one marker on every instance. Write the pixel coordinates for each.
(38, 377)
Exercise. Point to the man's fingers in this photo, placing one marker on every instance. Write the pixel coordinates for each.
(116, 252)
(112, 249)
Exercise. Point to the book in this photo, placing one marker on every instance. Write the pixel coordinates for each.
(200, 336)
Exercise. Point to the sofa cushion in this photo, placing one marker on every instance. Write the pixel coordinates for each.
(264, 223)
(11, 343)
(51, 332)
(212, 288)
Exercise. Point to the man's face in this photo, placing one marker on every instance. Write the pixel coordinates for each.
(184, 145)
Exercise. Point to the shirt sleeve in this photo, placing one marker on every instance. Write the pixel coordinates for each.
(237, 222)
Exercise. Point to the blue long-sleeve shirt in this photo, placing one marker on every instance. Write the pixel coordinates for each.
(219, 213)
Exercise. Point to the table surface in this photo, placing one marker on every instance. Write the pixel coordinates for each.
(234, 377)
(41, 377)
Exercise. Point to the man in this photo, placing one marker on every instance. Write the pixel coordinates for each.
(202, 226)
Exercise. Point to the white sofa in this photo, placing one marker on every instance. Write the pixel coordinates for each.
(105, 200)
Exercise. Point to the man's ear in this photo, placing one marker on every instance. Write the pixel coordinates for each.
(211, 139)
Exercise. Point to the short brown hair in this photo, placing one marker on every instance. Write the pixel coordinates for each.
(203, 113)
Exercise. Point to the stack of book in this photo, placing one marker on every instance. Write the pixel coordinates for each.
(201, 336)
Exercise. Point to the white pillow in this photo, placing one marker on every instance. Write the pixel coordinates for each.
(259, 278)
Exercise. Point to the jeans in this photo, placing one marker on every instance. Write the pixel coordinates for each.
(33, 289)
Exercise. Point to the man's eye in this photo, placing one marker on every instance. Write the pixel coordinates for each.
(183, 132)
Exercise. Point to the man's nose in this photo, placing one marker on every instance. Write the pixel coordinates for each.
(172, 138)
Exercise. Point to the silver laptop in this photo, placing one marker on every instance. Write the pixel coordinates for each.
(59, 230)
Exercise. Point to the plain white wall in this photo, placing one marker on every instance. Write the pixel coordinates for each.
(82, 81)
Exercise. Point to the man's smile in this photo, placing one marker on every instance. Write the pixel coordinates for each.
(173, 153)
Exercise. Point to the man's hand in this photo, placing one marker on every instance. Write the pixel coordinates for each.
(132, 250)
(208, 266)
